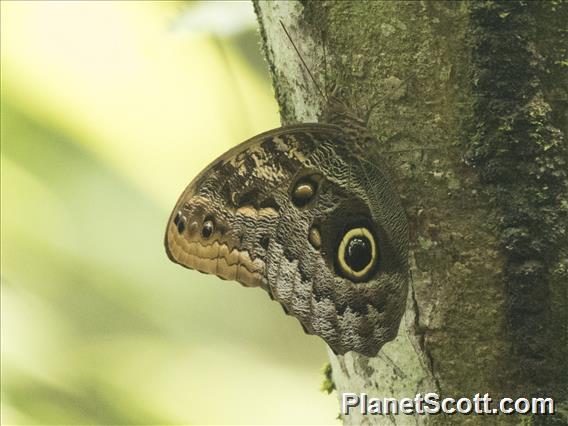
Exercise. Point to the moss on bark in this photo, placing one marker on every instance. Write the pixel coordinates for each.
(468, 103)
(518, 149)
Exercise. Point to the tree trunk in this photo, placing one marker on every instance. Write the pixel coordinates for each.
(468, 103)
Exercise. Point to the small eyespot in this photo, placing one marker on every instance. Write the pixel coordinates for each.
(357, 254)
(207, 229)
(264, 242)
(314, 237)
(178, 217)
(303, 193)
(193, 227)
(180, 222)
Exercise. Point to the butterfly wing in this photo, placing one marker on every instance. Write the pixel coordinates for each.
(298, 212)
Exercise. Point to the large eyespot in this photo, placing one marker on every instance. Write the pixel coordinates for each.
(207, 229)
(357, 254)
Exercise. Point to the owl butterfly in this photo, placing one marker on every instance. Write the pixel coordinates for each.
(306, 213)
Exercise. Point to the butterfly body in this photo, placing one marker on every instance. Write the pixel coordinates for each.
(300, 212)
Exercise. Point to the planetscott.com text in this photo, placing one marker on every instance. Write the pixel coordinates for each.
(432, 403)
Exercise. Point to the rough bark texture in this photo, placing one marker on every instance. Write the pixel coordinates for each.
(468, 103)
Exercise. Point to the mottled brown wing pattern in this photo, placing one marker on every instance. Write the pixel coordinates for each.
(298, 212)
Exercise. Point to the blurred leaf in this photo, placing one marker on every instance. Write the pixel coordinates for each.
(89, 403)
(107, 113)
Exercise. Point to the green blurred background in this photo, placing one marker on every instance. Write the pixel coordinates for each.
(108, 110)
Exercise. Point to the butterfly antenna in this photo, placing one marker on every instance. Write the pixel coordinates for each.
(303, 62)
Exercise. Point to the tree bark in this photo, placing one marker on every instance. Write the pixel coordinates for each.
(468, 103)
